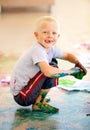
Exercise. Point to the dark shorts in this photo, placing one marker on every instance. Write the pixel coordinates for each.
(30, 92)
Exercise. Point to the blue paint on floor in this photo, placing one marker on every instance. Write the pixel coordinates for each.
(72, 115)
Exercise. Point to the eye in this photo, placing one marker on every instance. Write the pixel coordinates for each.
(55, 33)
(44, 32)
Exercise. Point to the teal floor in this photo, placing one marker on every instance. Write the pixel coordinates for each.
(74, 113)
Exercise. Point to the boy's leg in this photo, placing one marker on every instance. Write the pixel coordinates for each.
(32, 93)
(28, 95)
(35, 93)
(40, 103)
(40, 98)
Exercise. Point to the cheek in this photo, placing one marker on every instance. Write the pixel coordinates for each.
(42, 38)
(57, 37)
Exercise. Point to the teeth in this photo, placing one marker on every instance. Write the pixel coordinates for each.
(48, 41)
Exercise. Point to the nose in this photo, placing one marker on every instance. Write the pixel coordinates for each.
(49, 34)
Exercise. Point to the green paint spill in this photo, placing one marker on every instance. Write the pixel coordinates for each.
(66, 82)
(25, 115)
(79, 75)
(46, 108)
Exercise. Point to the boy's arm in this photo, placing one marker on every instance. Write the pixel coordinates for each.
(70, 57)
(49, 70)
(73, 59)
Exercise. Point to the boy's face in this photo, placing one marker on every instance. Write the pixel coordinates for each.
(48, 34)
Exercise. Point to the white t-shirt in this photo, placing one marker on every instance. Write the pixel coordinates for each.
(26, 68)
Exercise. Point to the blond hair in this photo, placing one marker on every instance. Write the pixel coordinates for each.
(44, 19)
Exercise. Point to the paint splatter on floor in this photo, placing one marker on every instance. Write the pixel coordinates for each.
(72, 115)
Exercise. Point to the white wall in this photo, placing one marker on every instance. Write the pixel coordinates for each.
(74, 16)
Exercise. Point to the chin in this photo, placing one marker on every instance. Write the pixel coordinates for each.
(48, 47)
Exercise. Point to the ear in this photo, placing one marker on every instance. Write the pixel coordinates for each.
(58, 35)
(36, 34)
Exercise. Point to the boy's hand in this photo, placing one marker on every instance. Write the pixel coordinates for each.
(82, 68)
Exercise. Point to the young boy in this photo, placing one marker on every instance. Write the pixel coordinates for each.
(32, 76)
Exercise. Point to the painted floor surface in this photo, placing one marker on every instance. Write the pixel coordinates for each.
(74, 113)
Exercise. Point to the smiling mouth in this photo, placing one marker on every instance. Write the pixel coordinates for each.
(48, 41)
